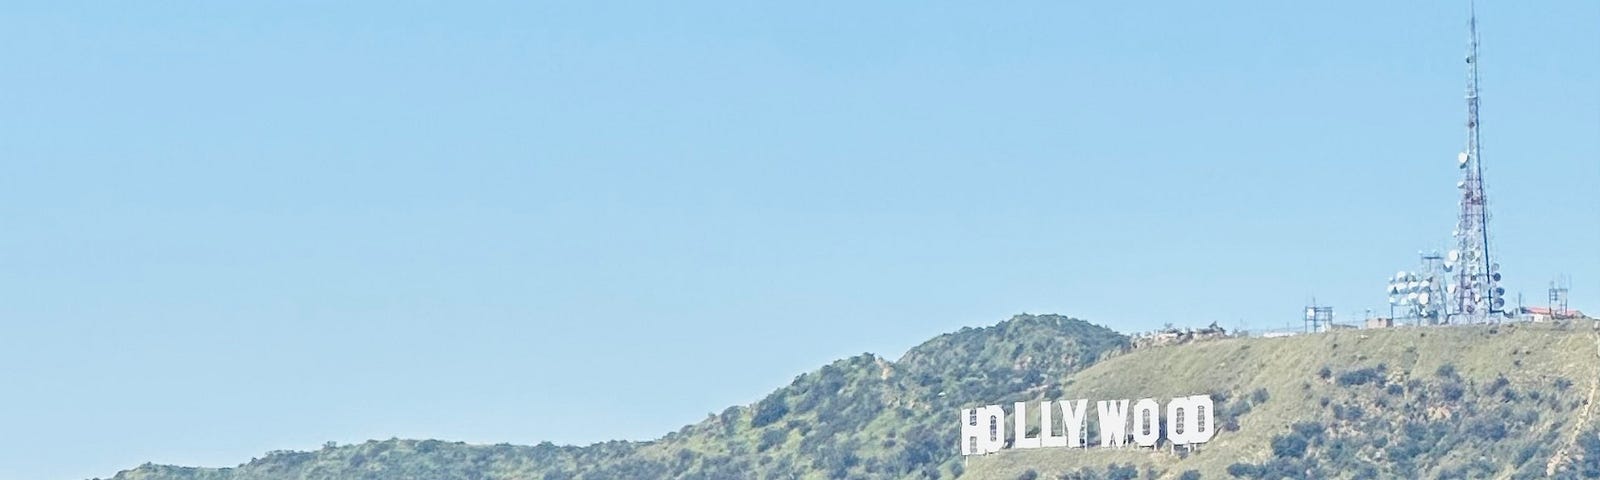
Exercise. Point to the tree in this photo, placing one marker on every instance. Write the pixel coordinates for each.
(1289, 446)
(770, 410)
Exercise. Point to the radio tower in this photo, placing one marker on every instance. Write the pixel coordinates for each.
(1477, 293)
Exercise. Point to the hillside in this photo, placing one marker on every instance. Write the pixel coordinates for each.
(860, 417)
(1508, 401)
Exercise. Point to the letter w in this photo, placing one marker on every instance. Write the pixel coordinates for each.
(1113, 422)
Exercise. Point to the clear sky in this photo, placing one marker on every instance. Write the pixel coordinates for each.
(234, 227)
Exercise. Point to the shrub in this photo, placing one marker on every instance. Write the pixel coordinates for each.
(770, 410)
(1446, 371)
(1361, 377)
(1289, 446)
(1526, 453)
(1244, 470)
(1309, 430)
(1259, 396)
(772, 438)
(1127, 472)
(1453, 391)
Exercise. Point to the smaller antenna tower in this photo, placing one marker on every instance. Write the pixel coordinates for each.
(1420, 295)
(1318, 319)
(1558, 299)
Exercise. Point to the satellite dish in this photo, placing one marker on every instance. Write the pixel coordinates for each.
(1497, 292)
(1495, 277)
(1448, 266)
(1394, 300)
(1399, 276)
(1462, 158)
(1461, 184)
(1497, 303)
(1453, 256)
(1494, 267)
(1422, 298)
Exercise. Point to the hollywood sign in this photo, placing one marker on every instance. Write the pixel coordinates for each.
(1189, 422)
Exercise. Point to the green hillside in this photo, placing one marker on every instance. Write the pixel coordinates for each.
(1508, 401)
(860, 417)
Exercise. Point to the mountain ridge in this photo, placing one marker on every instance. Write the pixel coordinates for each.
(1483, 401)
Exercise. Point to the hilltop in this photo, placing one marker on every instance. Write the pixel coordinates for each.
(1507, 401)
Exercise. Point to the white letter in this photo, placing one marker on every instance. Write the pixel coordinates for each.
(1190, 420)
(1074, 419)
(1204, 424)
(1146, 422)
(1047, 426)
(980, 430)
(1021, 438)
(1179, 413)
(1113, 422)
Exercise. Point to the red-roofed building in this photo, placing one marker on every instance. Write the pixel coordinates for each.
(1544, 314)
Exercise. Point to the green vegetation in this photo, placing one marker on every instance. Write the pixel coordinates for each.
(1508, 401)
(861, 417)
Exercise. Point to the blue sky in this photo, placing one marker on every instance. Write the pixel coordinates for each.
(234, 227)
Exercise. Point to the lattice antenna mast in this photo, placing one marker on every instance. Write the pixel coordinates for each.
(1477, 291)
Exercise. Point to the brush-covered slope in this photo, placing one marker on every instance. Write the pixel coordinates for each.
(860, 417)
(1507, 401)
